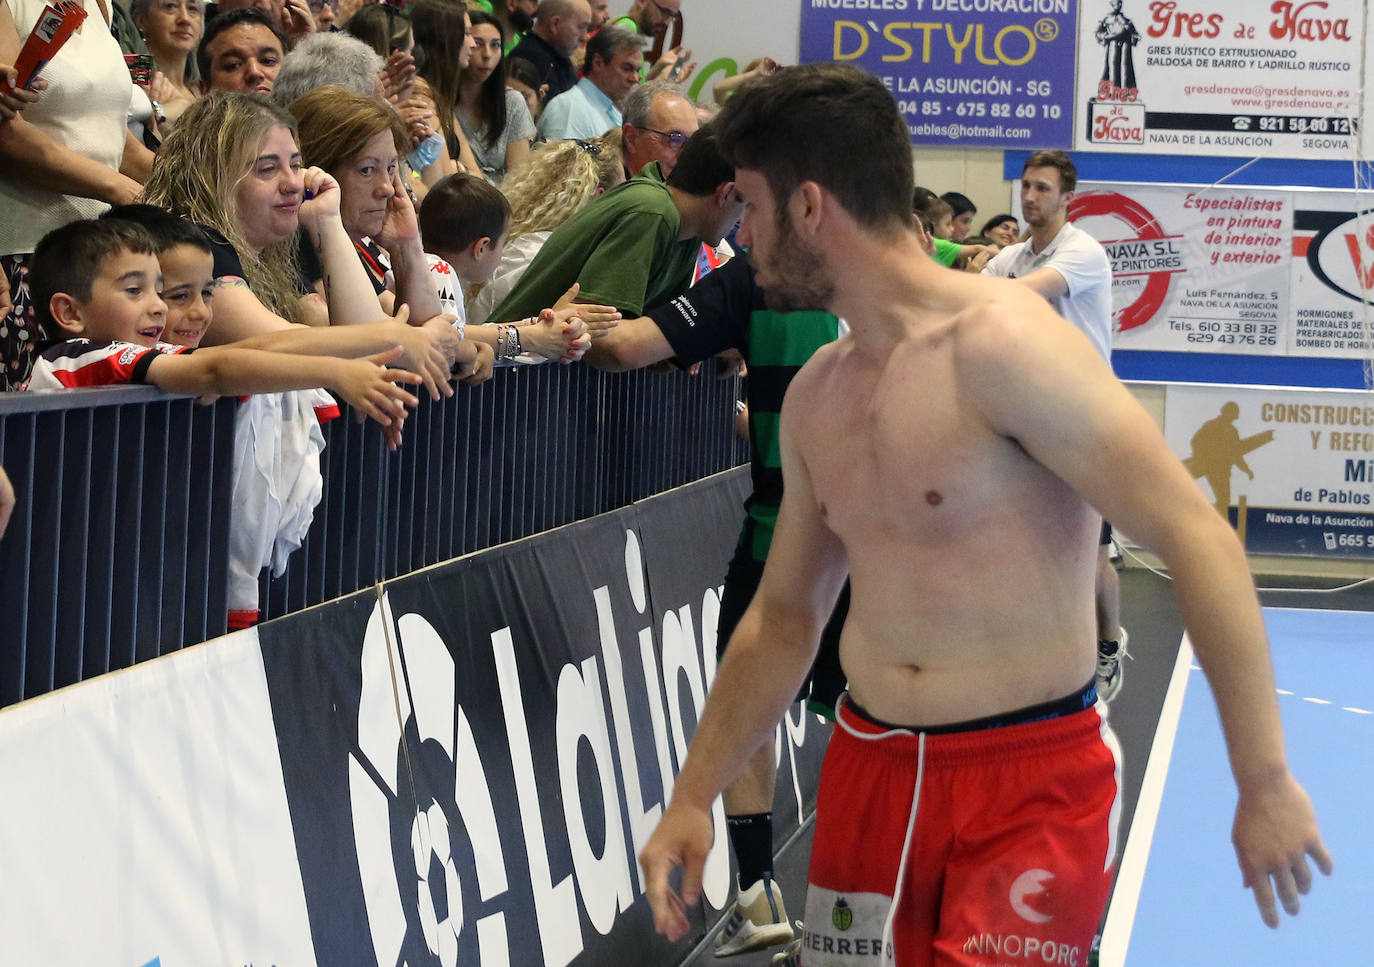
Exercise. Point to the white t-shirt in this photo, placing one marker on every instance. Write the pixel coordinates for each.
(1083, 263)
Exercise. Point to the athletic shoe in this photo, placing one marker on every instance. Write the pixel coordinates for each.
(1109, 670)
(791, 957)
(757, 920)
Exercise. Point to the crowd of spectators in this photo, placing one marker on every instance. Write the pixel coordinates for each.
(274, 198)
(435, 189)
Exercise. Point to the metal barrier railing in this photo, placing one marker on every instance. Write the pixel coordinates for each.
(116, 552)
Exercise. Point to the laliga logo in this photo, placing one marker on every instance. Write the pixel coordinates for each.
(413, 894)
(1030, 883)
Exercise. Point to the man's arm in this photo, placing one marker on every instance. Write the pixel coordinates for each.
(1045, 280)
(1052, 393)
(769, 654)
(633, 344)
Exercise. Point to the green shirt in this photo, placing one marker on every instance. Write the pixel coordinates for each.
(946, 252)
(623, 248)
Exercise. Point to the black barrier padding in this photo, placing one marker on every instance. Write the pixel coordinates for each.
(466, 636)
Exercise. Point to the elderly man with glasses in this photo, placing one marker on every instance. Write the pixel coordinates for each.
(658, 121)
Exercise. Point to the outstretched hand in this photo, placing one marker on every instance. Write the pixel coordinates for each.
(596, 319)
(683, 839)
(373, 390)
(1274, 833)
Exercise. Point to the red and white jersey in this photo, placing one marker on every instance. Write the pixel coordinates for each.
(75, 363)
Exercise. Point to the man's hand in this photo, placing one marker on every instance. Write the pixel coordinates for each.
(483, 363)
(598, 320)
(682, 839)
(665, 65)
(1274, 832)
(398, 76)
(297, 21)
(371, 388)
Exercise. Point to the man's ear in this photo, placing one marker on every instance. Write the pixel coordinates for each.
(66, 312)
(723, 192)
(807, 206)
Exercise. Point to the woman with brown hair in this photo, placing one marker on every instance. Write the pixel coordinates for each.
(441, 30)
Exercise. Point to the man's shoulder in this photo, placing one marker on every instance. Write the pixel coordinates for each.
(1073, 237)
(533, 48)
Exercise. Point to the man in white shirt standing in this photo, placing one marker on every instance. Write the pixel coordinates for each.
(592, 106)
(1071, 270)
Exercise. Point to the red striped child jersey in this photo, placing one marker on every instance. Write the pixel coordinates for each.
(75, 363)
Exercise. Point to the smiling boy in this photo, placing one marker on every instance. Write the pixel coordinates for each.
(97, 286)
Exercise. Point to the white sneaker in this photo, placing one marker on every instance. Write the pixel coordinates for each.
(791, 957)
(1109, 670)
(757, 920)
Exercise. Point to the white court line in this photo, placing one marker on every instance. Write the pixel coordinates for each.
(1116, 935)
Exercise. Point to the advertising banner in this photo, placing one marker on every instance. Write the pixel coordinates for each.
(460, 768)
(1193, 269)
(1333, 273)
(972, 73)
(1221, 77)
(143, 819)
(1251, 271)
(486, 748)
(1292, 469)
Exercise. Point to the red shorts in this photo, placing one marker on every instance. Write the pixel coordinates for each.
(1004, 858)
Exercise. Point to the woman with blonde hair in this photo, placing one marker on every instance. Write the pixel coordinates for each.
(232, 166)
(556, 180)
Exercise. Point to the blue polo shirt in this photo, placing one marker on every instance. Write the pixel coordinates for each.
(584, 111)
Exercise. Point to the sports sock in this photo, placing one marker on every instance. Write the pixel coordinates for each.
(752, 838)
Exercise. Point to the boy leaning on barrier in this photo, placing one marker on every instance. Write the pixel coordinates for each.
(97, 287)
(127, 300)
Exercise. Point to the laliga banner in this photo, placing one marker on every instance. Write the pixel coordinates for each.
(1249, 271)
(1221, 77)
(473, 763)
(1292, 469)
(975, 73)
(461, 771)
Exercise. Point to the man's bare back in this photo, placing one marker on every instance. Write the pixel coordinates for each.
(972, 565)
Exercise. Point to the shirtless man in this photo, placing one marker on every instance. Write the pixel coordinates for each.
(955, 412)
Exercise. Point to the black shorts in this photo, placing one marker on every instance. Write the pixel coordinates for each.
(826, 680)
(1106, 537)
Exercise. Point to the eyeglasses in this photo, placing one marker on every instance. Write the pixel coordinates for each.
(675, 139)
(592, 149)
(665, 12)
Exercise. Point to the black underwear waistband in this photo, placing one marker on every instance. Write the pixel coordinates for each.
(1053, 709)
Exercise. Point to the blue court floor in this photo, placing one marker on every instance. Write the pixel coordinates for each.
(1178, 898)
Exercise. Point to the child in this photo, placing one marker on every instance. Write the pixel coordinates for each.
(96, 287)
(463, 220)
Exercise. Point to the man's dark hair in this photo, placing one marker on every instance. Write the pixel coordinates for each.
(68, 260)
(833, 124)
(959, 202)
(702, 168)
(1068, 174)
(606, 43)
(461, 209)
(222, 22)
(166, 230)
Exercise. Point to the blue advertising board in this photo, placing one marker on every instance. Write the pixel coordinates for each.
(968, 73)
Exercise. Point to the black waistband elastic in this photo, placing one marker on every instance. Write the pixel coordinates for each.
(1053, 709)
